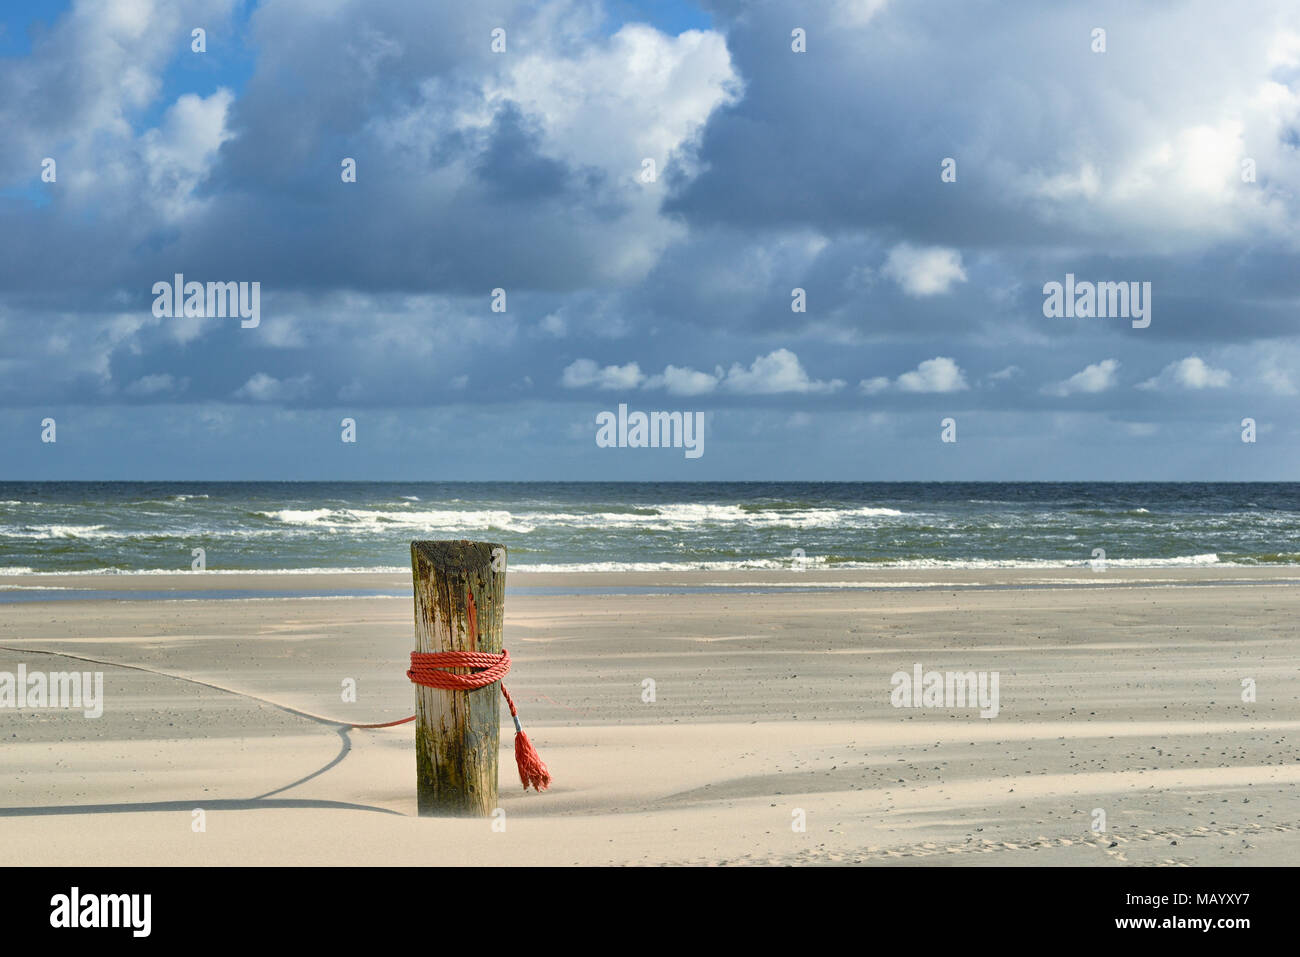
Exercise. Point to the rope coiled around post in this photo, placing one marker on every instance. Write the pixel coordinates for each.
(428, 668)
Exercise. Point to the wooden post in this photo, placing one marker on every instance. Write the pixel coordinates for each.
(457, 733)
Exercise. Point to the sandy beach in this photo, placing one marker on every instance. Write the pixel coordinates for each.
(1120, 692)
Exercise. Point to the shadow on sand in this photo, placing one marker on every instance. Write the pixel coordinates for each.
(245, 804)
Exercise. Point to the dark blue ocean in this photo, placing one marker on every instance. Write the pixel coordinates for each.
(576, 526)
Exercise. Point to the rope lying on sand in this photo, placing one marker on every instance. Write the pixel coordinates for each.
(319, 718)
(426, 670)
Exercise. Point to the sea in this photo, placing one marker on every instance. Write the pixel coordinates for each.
(155, 527)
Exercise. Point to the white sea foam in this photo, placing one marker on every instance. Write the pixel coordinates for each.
(90, 533)
(43, 532)
(816, 568)
(670, 517)
(758, 564)
(364, 519)
(81, 572)
(819, 563)
(1208, 558)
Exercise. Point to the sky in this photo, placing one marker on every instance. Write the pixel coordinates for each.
(830, 228)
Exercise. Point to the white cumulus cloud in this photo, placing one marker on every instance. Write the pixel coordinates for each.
(684, 381)
(939, 374)
(1097, 377)
(582, 373)
(924, 271)
(778, 371)
(1189, 373)
(266, 388)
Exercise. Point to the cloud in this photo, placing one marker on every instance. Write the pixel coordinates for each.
(939, 374)
(1166, 173)
(1141, 430)
(1067, 185)
(526, 162)
(554, 325)
(640, 93)
(1097, 377)
(156, 384)
(478, 171)
(924, 272)
(582, 373)
(180, 153)
(1278, 381)
(856, 13)
(266, 388)
(778, 371)
(685, 381)
(1189, 373)
(606, 106)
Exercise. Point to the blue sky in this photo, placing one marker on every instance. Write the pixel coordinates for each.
(1167, 158)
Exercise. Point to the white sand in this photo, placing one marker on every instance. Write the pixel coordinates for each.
(1124, 697)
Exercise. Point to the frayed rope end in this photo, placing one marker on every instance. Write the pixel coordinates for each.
(532, 770)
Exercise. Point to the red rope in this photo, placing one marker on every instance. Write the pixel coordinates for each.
(383, 724)
(428, 669)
